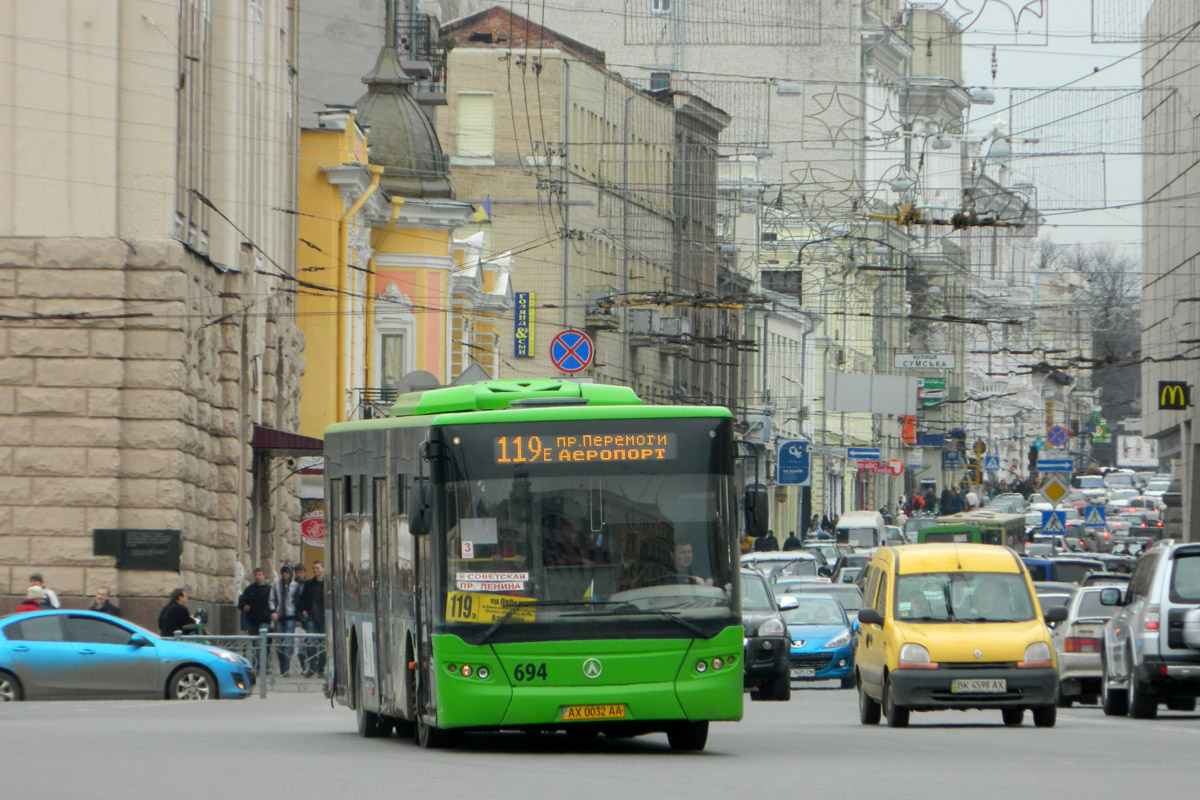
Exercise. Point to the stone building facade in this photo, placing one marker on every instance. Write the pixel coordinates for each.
(149, 354)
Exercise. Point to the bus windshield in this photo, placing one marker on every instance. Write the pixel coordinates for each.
(573, 525)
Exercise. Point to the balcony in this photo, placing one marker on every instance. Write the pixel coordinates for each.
(783, 281)
(422, 57)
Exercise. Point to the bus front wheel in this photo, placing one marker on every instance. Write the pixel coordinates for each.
(370, 724)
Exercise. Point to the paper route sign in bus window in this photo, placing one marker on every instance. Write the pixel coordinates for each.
(474, 607)
(585, 447)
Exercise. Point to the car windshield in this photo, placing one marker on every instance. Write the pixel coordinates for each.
(1185, 579)
(1089, 606)
(846, 594)
(1158, 486)
(815, 611)
(963, 597)
(799, 568)
(1048, 601)
(1089, 482)
(1038, 550)
(1074, 571)
(755, 596)
(859, 537)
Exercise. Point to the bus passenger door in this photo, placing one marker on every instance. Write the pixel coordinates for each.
(385, 617)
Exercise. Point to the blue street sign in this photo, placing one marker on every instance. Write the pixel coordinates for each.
(795, 464)
(991, 463)
(950, 459)
(1095, 517)
(1054, 522)
(1057, 436)
(1056, 465)
(862, 453)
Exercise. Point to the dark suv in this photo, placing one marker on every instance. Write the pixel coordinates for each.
(768, 675)
(1152, 644)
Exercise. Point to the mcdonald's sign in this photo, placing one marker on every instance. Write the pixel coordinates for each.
(1174, 395)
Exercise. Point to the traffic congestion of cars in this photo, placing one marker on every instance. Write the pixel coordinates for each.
(1095, 615)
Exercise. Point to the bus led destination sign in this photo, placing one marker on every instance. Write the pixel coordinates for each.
(584, 448)
(924, 361)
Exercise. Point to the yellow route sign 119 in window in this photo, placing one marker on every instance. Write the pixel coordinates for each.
(477, 607)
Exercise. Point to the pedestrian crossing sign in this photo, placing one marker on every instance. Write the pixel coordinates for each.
(1095, 517)
(1054, 522)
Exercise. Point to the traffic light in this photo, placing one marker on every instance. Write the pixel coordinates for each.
(1033, 459)
(755, 505)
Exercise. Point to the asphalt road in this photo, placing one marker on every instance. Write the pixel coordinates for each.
(296, 746)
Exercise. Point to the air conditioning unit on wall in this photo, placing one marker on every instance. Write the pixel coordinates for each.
(644, 321)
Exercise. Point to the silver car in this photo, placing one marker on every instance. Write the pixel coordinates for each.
(1152, 643)
(1078, 641)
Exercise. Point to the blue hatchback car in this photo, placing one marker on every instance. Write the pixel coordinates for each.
(822, 640)
(64, 655)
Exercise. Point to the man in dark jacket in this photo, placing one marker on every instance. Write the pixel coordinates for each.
(792, 542)
(310, 605)
(103, 603)
(255, 602)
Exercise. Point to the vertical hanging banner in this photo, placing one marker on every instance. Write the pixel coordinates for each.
(523, 325)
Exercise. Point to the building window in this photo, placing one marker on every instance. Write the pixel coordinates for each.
(660, 80)
(194, 125)
(393, 358)
(660, 6)
(476, 137)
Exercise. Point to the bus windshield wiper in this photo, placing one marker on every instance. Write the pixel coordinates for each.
(630, 608)
(533, 604)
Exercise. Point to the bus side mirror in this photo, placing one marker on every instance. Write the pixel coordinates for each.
(420, 508)
(869, 616)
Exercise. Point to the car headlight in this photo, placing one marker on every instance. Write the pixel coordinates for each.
(232, 658)
(771, 627)
(1037, 655)
(840, 640)
(915, 656)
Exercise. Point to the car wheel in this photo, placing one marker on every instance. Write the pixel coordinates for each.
(688, 735)
(1045, 716)
(868, 709)
(1063, 700)
(1142, 705)
(897, 716)
(1013, 716)
(778, 688)
(431, 737)
(1181, 704)
(192, 683)
(849, 682)
(1114, 701)
(10, 688)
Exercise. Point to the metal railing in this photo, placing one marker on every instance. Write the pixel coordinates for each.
(282, 662)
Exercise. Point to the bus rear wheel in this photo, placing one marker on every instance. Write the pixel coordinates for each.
(685, 736)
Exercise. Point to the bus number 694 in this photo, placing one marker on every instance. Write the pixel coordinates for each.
(529, 672)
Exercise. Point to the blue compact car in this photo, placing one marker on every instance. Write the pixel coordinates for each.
(76, 655)
(822, 640)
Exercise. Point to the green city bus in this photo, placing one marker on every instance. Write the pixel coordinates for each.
(981, 526)
(534, 555)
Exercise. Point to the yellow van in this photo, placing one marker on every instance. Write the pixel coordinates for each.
(953, 626)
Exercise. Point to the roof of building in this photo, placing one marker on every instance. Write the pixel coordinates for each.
(498, 26)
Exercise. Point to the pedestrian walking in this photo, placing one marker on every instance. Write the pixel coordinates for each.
(103, 603)
(310, 604)
(35, 597)
(255, 603)
(51, 599)
(283, 613)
